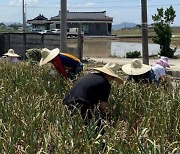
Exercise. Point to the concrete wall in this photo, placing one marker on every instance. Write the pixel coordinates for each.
(1, 44)
(20, 42)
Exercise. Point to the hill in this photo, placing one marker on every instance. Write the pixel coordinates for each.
(12, 23)
(123, 25)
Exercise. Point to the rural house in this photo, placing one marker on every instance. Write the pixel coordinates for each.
(40, 22)
(93, 23)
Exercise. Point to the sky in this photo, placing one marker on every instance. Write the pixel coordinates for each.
(120, 10)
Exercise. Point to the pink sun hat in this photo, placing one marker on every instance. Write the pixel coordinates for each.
(163, 61)
(164, 58)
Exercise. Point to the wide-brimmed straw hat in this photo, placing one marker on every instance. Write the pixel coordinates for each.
(136, 68)
(11, 53)
(48, 55)
(110, 69)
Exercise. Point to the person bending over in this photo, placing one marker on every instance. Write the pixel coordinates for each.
(138, 72)
(92, 90)
(11, 56)
(66, 64)
(159, 68)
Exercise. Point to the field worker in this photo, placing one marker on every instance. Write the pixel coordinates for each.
(138, 72)
(92, 89)
(67, 65)
(159, 68)
(12, 56)
(33, 55)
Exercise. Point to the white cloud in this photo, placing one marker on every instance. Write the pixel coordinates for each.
(31, 1)
(89, 4)
(19, 2)
(83, 5)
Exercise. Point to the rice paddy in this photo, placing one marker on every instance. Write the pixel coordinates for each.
(141, 118)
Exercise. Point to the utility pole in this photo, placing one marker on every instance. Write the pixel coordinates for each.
(80, 42)
(25, 12)
(144, 32)
(63, 23)
(24, 18)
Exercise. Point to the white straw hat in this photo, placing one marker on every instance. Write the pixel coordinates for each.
(11, 53)
(136, 68)
(110, 69)
(48, 55)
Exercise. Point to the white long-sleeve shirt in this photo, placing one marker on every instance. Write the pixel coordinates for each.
(158, 71)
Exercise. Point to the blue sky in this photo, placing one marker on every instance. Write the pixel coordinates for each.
(120, 10)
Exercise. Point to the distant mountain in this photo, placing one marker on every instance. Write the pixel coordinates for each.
(123, 25)
(10, 23)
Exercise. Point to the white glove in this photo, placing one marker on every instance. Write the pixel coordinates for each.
(52, 72)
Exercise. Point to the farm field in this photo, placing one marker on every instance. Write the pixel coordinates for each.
(137, 32)
(175, 40)
(141, 118)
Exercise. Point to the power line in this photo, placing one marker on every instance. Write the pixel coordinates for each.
(94, 7)
(110, 1)
(114, 1)
(137, 6)
(104, 1)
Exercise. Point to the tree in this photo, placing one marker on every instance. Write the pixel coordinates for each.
(162, 21)
(2, 24)
(138, 26)
(15, 25)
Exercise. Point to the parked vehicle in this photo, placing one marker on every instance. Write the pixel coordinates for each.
(56, 31)
(45, 31)
(36, 30)
(73, 32)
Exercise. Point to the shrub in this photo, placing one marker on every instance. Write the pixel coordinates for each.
(133, 54)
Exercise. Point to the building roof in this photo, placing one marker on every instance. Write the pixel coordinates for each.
(40, 19)
(74, 17)
(84, 16)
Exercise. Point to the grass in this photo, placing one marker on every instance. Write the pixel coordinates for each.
(175, 41)
(144, 119)
(137, 32)
(8, 30)
(132, 32)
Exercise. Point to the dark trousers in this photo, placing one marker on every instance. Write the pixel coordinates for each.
(85, 108)
(87, 113)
